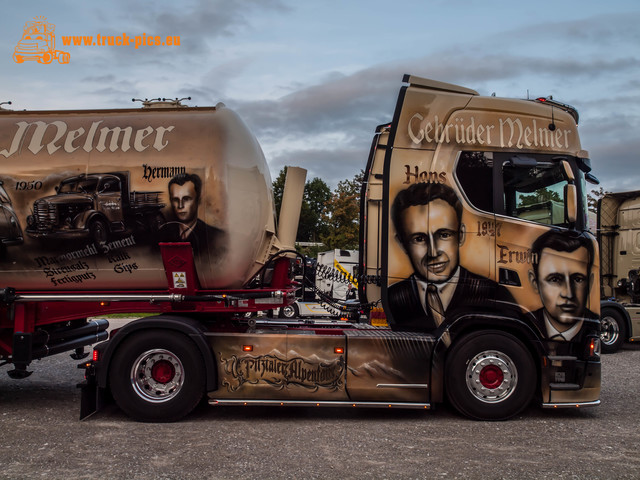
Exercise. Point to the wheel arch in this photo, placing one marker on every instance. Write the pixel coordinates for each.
(479, 323)
(189, 327)
(84, 218)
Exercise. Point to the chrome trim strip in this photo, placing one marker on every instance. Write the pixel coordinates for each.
(402, 385)
(34, 297)
(321, 403)
(594, 403)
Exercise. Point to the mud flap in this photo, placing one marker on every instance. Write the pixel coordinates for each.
(92, 397)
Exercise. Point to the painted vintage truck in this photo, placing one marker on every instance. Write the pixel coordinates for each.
(96, 206)
(10, 229)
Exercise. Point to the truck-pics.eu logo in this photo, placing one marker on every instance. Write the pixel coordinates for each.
(38, 43)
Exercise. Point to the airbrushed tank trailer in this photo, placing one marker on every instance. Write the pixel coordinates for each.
(472, 231)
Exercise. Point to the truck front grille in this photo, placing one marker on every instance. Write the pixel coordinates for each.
(46, 215)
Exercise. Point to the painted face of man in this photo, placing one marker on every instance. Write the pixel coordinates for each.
(563, 285)
(433, 237)
(184, 202)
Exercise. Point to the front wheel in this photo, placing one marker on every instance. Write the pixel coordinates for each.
(490, 376)
(99, 231)
(157, 376)
(613, 331)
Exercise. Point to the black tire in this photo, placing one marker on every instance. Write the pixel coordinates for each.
(99, 231)
(157, 376)
(490, 376)
(290, 311)
(613, 330)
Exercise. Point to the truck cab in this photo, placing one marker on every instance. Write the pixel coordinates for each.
(38, 43)
(473, 197)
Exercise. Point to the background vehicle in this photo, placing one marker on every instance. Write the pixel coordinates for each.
(329, 287)
(619, 239)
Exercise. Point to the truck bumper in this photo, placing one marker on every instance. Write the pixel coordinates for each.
(59, 234)
(572, 383)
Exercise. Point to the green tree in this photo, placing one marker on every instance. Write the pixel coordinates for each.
(542, 195)
(342, 215)
(593, 197)
(316, 194)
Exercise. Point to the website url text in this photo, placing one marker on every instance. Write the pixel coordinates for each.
(136, 41)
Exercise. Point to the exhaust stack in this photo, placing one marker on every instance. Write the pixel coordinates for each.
(291, 205)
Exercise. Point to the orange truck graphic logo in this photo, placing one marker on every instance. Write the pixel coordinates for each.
(38, 43)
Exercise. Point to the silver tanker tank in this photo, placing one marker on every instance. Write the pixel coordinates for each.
(93, 193)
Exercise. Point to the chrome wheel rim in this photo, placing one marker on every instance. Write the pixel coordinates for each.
(157, 376)
(609, 330)
(491, 376)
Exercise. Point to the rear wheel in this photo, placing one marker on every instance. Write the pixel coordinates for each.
(157, 376)
(490, 376)
(613, 330)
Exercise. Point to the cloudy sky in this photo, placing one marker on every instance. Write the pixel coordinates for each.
(314, 78)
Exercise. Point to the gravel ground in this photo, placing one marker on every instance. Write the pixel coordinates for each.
(43, 438)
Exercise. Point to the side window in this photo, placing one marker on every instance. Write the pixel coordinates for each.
(474, 173)
(535, 192)
(110, 185)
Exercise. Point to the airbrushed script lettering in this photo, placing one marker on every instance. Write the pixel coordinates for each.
(101, 139)
(282, 373)
(508, 133)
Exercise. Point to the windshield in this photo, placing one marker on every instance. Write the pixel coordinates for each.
(75, 185)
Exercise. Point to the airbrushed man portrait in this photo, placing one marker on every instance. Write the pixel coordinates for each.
(428, 222)
(561, 274)
(185, 197)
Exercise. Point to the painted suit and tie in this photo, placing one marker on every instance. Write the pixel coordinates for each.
(428, 223)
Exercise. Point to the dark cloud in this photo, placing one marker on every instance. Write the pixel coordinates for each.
(332, 166)
(350, 106)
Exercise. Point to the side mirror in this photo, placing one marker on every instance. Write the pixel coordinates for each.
(571, 203)
(591, 178)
